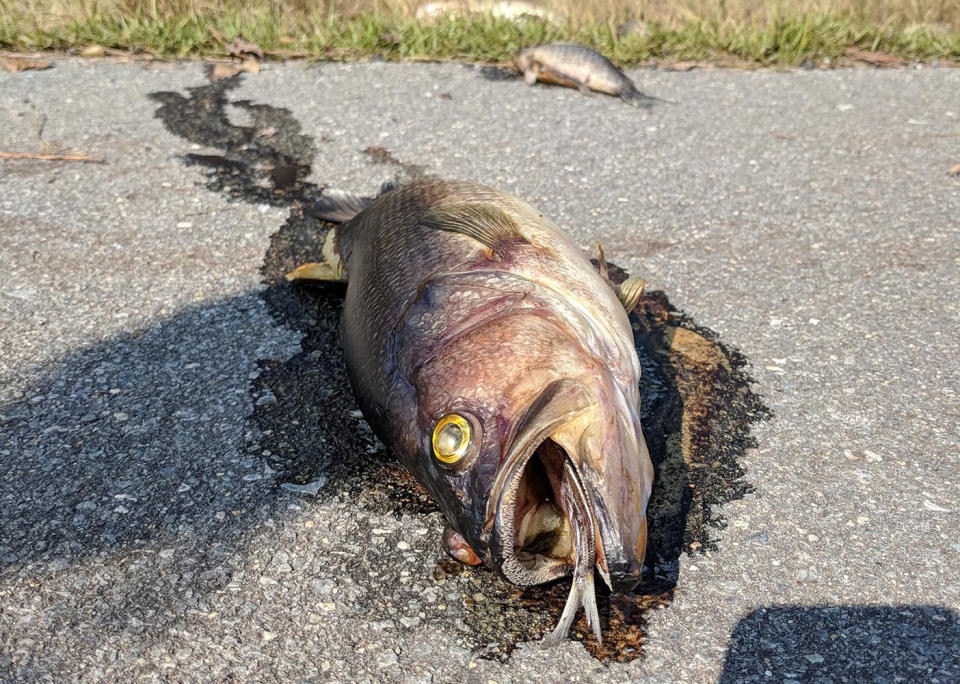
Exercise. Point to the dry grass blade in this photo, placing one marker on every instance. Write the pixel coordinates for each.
(51, 157)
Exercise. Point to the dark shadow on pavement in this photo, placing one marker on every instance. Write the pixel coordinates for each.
(137, 438)
(908, 643)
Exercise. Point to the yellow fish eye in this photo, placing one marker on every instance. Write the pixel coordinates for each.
(451, 439)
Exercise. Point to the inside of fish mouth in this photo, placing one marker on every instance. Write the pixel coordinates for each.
(542, 529)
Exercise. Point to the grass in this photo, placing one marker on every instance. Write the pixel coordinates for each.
(719, 31)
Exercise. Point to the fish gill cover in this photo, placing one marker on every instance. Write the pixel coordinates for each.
(698, 404)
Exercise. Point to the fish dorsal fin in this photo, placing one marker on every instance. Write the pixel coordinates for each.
(629, 292)
(485, 223)
(602, 263)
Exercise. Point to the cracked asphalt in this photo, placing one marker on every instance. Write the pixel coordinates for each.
(148, 530)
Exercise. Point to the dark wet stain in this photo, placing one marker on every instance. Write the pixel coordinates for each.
(381, 155)
(698, 405)
(265, 162)
(496, 73)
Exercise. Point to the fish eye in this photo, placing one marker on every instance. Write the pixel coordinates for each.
(452, 438)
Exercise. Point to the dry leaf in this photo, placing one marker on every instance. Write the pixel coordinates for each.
(875, 58)
(221, 70)
(955, 171)
(14, 64)
(241, 47)
(93, 51)
(224, 70)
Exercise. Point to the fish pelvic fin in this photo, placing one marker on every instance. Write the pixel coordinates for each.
(331, 268)
(485, 223)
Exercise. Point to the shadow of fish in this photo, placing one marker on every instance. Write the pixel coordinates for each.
(576, 66)
(499, 365)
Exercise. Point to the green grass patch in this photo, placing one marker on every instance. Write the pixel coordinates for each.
(195, 31)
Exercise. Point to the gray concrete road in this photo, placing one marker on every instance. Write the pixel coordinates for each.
(148, 381)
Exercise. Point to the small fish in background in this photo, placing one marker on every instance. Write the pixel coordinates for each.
(576, 66)
(499, 365)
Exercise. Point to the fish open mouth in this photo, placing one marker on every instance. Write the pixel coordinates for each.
(547, 531)
(541, 530)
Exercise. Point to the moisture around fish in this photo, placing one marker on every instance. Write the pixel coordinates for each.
(498, 364)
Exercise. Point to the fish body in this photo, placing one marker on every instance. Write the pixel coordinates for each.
(499, 365)
(576, 66)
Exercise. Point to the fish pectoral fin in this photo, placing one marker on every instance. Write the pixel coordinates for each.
(561, 78)
(485, 223)
(629, 292)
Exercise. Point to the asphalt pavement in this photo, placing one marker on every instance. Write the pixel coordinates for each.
(189, 493)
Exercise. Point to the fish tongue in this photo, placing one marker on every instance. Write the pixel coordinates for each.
(581, 589)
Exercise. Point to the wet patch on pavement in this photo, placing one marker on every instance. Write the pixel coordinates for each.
(698, 405)
(408, 172)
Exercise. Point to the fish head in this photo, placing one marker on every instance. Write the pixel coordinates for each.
(534, 452)
(524, 60)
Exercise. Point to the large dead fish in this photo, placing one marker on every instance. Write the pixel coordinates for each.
(576, 66)
(499, 365)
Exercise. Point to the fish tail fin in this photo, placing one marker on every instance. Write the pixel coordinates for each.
(337, 206)
(634, 97)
